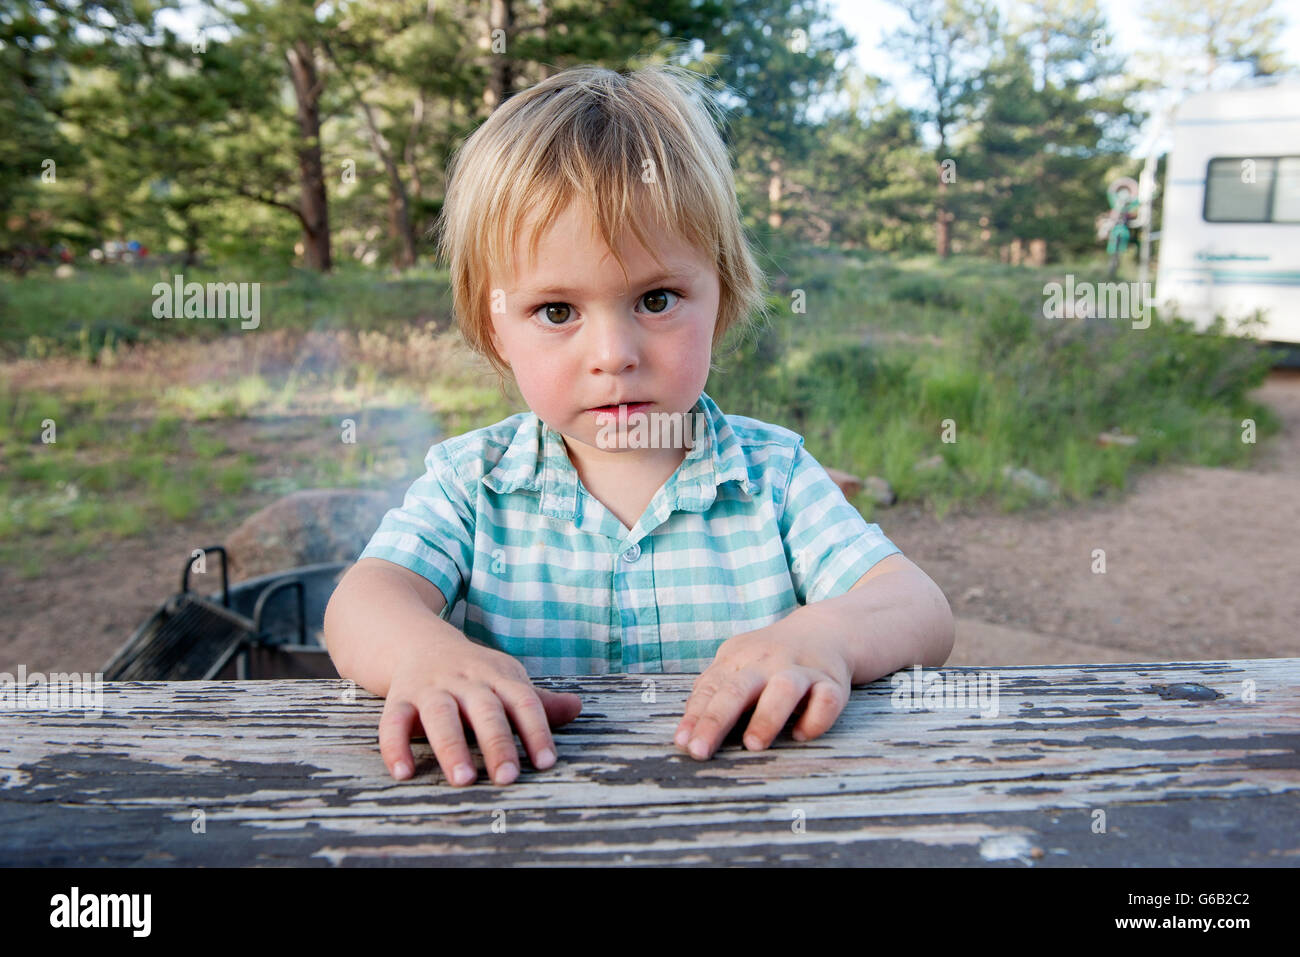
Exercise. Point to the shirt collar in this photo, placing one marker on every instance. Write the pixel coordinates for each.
(536, 460)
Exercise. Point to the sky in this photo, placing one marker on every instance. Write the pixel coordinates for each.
(869, 20)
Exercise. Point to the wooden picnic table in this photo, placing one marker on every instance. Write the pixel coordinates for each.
(1171, 764)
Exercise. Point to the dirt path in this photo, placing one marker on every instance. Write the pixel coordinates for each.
(1201, 563)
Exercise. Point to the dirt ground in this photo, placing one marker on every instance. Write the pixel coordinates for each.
(1200, 563)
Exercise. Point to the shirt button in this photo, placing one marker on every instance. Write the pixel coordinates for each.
(632, 554)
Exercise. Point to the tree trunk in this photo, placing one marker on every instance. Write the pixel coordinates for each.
(942, 240)
(191, 241)
(314, 207)
(501, 79)
(774, 194)
(399, 215)
(412, 162)
(543, 20)
(399, 226)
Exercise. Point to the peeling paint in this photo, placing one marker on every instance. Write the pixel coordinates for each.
(287, 773)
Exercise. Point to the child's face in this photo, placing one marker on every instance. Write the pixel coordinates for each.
(577, 337)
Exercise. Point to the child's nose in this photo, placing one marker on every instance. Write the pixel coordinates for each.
(612, 343)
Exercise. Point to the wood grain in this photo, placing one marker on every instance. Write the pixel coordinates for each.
(289, 773)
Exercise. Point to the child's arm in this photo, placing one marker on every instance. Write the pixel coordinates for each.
(910, 621)
(383, 630)
(375, 610)
(894, 616)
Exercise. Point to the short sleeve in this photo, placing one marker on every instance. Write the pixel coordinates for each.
(432, 532)
(828, 542)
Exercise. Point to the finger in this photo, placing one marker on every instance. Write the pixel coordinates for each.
(396, 726)
(825, 702)
(702, 692)
(561, 706)
(440, 715)
(496, 740)
(524, 708)
(726, 705)
(784, 691)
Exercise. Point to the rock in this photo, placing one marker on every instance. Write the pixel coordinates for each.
(305, 528)
(1116, 438)
(880, 490)
(1028, 480)
(850, 485)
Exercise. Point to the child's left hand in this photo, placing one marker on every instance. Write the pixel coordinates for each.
(776, 672)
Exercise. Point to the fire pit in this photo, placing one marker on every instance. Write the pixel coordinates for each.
(266, 627)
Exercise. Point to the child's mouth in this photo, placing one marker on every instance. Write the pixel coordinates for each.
(614, 409)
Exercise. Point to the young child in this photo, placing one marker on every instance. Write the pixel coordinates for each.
(597, 256)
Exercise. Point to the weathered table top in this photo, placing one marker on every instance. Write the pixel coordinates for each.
(1122, 765)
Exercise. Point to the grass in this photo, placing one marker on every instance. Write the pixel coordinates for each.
(887, 364)
(101, 308)
(906, 354)
(119, 461)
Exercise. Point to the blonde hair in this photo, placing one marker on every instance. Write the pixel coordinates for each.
(616, 141)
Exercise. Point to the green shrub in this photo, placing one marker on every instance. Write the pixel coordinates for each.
(927, 290)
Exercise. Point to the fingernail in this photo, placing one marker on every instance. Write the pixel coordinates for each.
(753, 743)
(463, 774)
(401, 770)
(699, 748)
(507, 773)
(545, 758)
(680, 740)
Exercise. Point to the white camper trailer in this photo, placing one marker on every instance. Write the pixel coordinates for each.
(1230, 233)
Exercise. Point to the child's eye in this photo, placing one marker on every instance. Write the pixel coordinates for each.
(655, 296)
(556, 314)
(561, 314)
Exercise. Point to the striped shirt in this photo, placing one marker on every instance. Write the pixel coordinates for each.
(746, 530)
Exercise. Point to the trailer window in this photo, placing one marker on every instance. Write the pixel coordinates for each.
(1286, 194)
(1257, 189)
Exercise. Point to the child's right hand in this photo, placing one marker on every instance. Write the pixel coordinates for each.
(448, 677)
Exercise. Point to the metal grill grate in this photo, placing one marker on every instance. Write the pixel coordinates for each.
(193, 642)
(188, 638)
(193, 637)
